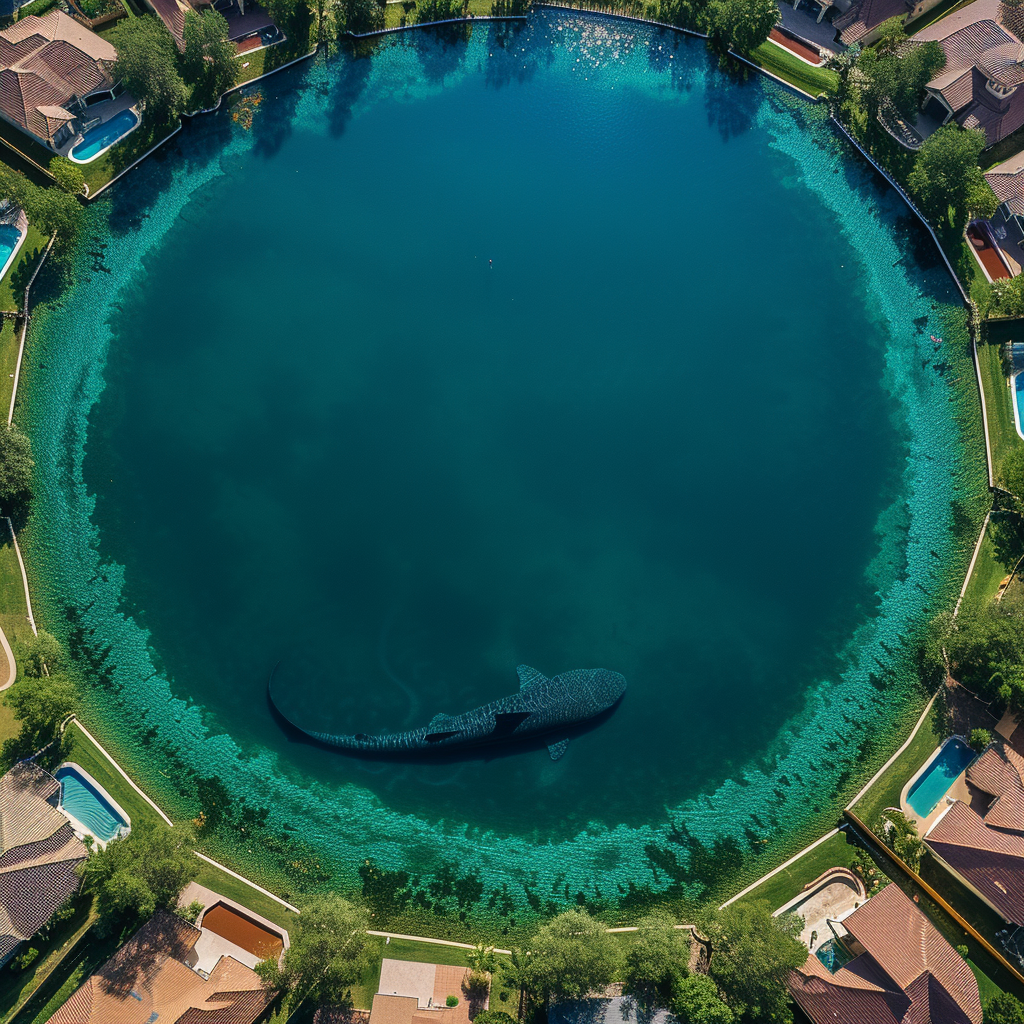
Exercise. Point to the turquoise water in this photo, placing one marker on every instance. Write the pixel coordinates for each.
(931, 787)
(9, 236)
(1018, 391)
(103, 136)
(81, 799)
(562, 348)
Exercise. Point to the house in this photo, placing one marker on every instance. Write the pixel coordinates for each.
(155, 976)
(415, 993)
(51, 69)
(861, 22)
(982, 842)
(38, 854)
(887, 965)
(978, 87)
(246, 19)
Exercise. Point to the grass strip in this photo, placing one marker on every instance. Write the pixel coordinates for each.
(787, 66)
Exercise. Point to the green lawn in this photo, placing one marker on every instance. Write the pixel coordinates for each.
(886, 791)
(17, 987)
(1000, 550)
(779, 61)
(12, 287)
(998, 400)
(223, 883)
(781, 888)
(89, 955)
(503, 996)
(84, 752)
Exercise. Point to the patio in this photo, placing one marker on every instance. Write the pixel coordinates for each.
(804, 24)
(104, 111)
(254, 19)
(832, 896)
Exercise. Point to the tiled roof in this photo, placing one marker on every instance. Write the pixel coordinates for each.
(956, 86)
(990, 859)
(995, 123)
(172, 14)
(146, 980)
(1000, 771)
(865, 16)
(44, 63)
(907, 974)
(38, 854)
(1007, 181)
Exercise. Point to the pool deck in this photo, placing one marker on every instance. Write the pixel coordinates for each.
(957, 791)
(211, 947)
(75, 823)
(833, 895)
(105, 110)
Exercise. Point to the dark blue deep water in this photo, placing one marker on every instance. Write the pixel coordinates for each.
(556, 346)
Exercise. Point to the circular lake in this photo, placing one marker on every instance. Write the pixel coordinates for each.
(552, 345)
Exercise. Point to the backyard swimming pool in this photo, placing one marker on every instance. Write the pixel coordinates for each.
(82, 799)
(1018, 398)
(10, 242)
(99, 139)
(931, 787)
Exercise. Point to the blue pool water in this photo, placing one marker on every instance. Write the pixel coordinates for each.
(931, 787)
(832, 956)
(81, 799)
(1018, 392)
(97, 139)
(9, 236)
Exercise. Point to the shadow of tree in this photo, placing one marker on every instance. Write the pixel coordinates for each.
(441, 50)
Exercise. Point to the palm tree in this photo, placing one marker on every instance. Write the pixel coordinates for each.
(516, 971)
(483, 959)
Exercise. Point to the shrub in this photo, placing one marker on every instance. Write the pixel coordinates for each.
(979, 739)
(452, 1001)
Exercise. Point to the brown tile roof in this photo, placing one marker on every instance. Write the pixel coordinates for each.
(984, 38)
(172, 14)
(866, 16)
(46, 62)
(991, 860)
(38, 854)
(1000, 771)
(907, 974)
(1007, 181)
(389, 1009)
(146, 980)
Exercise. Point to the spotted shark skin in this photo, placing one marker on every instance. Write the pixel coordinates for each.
(541, 707)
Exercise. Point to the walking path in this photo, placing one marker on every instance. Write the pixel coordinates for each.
(12, 668)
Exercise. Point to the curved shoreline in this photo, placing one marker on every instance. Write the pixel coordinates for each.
(640, 20)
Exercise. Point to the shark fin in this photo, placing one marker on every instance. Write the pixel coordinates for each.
(528, 677)
(556, 750)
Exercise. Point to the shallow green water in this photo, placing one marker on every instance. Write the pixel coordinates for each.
(554, 346)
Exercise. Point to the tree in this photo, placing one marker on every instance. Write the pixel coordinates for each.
(147, 64)
(16, 468)
(656, 961)
(282, 11)
(516, 973)
(209, 57)
(751, 955)
(141, 872)
(895, 71)
(1008, 299)
(361, 15)
(42, 653)
(327, 956)
(40, 705)
(1004, 1009)
(742, 24)
(482, 958)
(947, 181)
(494, 1017)
(985, 646)
(572, 955)
(900, 835)
(979, 739)
(1013, 463)
(69, 175)
(698, 1002)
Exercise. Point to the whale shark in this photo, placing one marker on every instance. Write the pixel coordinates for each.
(542, 707)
